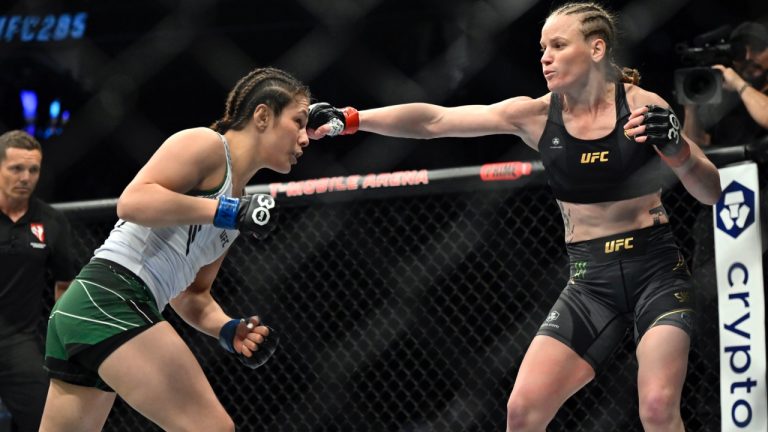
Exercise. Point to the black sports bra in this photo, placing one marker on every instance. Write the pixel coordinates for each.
(610, 168)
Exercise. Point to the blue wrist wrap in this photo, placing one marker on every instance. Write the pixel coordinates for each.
(227, 334)
(226, 213)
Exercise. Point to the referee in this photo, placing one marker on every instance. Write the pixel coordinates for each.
(34, 240)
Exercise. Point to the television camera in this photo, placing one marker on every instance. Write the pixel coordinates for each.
(697, 83)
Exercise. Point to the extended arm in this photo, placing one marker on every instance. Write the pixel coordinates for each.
(422, 120)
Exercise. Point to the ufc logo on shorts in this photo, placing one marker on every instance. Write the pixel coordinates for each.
(589, 158)
(618, 244)
(260, 215)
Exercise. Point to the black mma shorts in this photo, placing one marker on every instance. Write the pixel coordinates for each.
(635, 278)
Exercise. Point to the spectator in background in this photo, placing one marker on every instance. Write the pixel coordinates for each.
(742, 116)
(34, 239)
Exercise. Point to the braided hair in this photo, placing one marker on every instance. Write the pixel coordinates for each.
(597, 21)
(270, 86)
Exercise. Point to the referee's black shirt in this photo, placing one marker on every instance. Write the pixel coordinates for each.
(38, 241)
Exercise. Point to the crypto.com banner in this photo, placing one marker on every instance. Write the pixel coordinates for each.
(741, 301)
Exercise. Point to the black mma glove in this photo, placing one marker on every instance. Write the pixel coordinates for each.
(255, 214)
(663, 131)
(343, 121)
(258, 357)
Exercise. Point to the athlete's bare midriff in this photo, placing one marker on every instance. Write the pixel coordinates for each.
(594, 220)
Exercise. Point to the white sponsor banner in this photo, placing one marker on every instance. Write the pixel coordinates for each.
(741, 301)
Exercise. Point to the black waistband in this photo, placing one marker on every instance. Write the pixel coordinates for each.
(117, 268)
(624, 245)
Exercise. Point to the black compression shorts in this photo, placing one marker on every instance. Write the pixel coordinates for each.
(638, 277)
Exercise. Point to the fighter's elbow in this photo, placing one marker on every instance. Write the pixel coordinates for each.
(128, 208)
(712, 194)
(709, 200)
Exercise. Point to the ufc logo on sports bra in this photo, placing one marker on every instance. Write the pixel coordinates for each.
(618, 244)
(593, 157)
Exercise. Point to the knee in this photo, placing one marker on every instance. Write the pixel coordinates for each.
(659, 407)
(520, 414)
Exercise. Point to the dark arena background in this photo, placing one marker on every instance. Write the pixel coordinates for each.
(406, 307)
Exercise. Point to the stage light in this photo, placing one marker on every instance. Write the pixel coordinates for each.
(29, 105)
(55, 109)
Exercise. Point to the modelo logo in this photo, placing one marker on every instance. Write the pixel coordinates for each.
(589, 158)
(736, 209)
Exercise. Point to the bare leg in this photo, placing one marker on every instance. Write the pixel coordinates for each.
(157, 374)
(551, 372)
(73, 408)
(662, 357)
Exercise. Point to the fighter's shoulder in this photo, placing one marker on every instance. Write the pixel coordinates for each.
(525, 116)
(195, 138)
(638, 96)
(526, 106)
(199, 147)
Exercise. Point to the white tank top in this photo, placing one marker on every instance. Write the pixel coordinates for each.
(168, 259)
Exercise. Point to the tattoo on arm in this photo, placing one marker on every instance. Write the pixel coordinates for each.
(657, 213)
(566, 221)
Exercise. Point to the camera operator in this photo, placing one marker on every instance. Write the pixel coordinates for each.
(742, 116)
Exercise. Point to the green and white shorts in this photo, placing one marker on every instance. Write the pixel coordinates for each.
(104, 306)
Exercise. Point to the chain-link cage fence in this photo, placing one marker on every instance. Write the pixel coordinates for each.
(412, 313)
